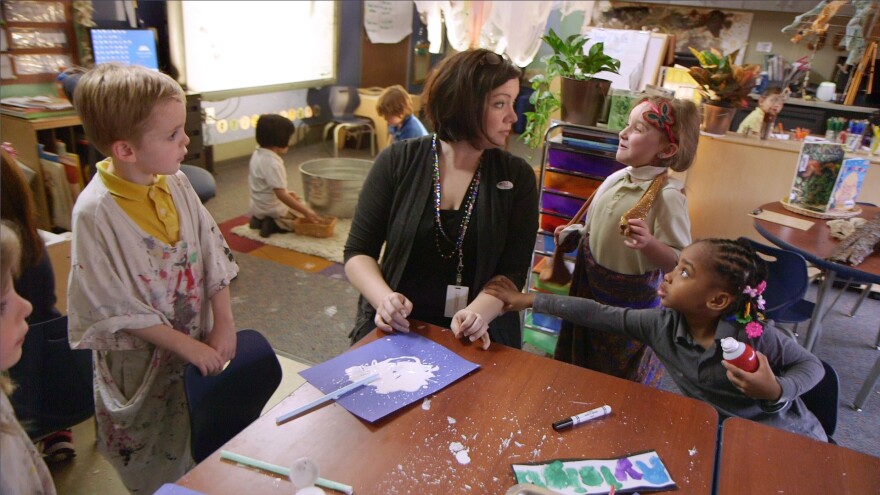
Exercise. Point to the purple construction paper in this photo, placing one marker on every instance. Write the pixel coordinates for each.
(365, 402)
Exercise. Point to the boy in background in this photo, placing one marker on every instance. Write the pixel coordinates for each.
(771, 102)
(273, 207)
(150, 274)
(395, 106)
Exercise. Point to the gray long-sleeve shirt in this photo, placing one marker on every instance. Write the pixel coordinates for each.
(697, 371)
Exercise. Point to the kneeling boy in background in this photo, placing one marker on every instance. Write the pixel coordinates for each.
(273, 207)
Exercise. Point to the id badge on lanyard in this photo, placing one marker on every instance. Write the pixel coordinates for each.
(456, 295)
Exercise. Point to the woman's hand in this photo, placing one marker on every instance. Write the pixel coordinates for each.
(761, 384)
(503, 289)
(639, 234)
(470, 324)
(391, 314)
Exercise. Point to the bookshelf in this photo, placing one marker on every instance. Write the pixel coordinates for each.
(26, 136)
(576, 160)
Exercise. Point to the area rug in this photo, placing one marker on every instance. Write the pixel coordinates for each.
(329, 248)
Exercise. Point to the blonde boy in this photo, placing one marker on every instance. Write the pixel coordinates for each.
(149, 282)
(395, 106)
(771, 102)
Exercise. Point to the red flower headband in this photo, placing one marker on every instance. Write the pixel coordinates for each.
(661, 118)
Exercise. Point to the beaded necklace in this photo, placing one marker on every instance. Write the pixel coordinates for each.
(439, 233)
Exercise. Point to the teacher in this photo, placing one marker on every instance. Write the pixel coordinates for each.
(453, 210)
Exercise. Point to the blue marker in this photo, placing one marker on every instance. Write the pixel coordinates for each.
(582, 418)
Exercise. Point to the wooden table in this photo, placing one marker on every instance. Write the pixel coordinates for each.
(816, 245)
(756, 458)
(501, 412)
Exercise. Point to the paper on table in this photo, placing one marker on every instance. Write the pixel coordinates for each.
(788, 221)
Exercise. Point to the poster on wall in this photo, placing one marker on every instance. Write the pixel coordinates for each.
(700, 28)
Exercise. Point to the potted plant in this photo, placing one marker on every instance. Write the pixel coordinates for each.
(724, 86)
(582, 95)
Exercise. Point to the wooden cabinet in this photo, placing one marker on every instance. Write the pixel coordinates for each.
(575, 162)
(38, 40)
(26, 136)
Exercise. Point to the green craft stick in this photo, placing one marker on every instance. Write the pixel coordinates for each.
(281, 470)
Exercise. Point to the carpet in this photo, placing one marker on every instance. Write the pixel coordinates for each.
(329, 248)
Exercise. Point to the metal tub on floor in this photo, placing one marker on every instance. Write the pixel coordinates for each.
(332, 185)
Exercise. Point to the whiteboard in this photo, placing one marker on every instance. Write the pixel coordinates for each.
(232, 47)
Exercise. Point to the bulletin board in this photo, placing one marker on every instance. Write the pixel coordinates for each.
(225, 49)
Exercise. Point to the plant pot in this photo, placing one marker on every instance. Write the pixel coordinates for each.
(717, 119)
(583, 102)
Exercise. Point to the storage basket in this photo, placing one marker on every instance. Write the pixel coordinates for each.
(322, 229)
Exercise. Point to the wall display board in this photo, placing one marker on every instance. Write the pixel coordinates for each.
(234, 48)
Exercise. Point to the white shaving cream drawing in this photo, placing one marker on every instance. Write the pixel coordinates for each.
(398, 374)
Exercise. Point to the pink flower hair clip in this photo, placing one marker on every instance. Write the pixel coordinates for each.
(754, 327)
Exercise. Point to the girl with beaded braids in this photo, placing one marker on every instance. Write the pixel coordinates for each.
(714, 292)
(452, 209)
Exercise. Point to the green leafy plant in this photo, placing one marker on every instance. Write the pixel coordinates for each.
(567, 60)
(723, 82)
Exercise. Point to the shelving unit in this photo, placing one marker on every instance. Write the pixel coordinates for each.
(26, 134)
(39, 40)
(576, 159)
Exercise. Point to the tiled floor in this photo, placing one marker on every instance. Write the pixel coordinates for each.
(90, 474)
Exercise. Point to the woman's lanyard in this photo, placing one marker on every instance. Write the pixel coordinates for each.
(439, 233)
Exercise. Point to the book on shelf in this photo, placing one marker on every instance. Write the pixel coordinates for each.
(35, 113)
(58, 190)
(36, 107)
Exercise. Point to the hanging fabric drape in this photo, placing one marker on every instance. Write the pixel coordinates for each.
(511, 27)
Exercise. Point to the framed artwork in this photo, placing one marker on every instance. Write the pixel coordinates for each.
(700, 28)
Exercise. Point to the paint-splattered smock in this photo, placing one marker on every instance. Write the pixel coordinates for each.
(121, 278)
(22, 470)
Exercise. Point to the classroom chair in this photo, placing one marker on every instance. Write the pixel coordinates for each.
(54, 382)
(343, 101)
(787, 282)
(221, 406)
(202, 181)
(868, 386)
(824, 399)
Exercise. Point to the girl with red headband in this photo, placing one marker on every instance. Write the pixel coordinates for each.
(633, 233)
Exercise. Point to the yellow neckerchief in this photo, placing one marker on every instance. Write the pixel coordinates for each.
(151, 207)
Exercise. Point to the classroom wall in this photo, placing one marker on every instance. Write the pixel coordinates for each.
(766, 26)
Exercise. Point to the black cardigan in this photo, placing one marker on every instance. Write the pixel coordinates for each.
(393, 199)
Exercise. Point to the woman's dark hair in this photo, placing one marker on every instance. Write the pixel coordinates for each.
(17, 206)
(738, 265)
(455, 93)
(274, 131)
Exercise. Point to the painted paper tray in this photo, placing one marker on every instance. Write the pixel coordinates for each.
(856, 211)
